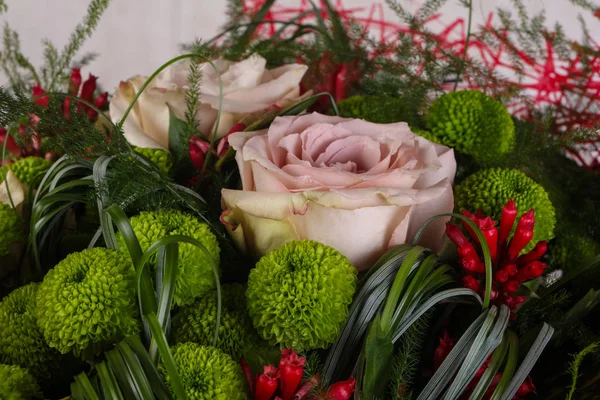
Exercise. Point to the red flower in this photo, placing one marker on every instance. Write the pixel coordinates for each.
(11, 144)
(40, 101)
(266, 384)
(291, 367)
(342, 390)
(75, 81)
(509, 269)
(441, 352)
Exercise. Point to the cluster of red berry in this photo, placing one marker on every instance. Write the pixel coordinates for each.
(510, 268)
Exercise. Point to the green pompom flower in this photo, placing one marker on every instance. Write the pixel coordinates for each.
(298, 295)
(21, 340)
(378, 109)
(196, 322)
(16, 383)
(207, 373)
(473, 123)
(571, 251)
(488, 190)
(30, 170)
(161, 158)
(11, 228)
(195, 276)
(87, 302)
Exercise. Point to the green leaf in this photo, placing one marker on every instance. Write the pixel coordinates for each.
(378, 360)
(135, 369)
(452, 363)
(490, 372)
(510, 367)
(178, 136)
(86, 387)
(154, 377)
(166, 356)
(126, 382)
(530, 359)
(108, 381)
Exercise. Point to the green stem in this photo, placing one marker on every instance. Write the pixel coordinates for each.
(5, 172)
(466, 49)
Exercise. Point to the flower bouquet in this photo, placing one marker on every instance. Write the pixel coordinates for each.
(295, 210)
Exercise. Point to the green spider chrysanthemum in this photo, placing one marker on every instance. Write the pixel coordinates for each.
(196, 322)
(21, 340)
(16, 383)
(87, 302)
(30, 170)
(11, 228)
(473, 123)
(298, 295)
(207, 373)
(488, 190)
(161, 158)
(195, 276)
(378, 109)
(571, 251)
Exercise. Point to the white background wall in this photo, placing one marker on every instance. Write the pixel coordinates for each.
(136, 36)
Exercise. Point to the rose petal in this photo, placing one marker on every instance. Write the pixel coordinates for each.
(13, 185)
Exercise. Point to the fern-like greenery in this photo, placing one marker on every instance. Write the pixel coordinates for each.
(54, 72)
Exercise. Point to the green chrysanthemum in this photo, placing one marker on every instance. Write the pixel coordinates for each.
(16, 383)
(207, 373)
(298, 295)
(474, 124)
(488, 190)
(571, 251)
(11, 228)
(196, 322)
(29, 170)
(87, 302)
(378, 109)
(160, 157)
(21, 340)
(195, 276)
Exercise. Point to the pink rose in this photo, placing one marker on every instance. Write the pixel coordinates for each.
(356, 186)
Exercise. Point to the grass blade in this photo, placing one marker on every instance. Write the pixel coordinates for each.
(86, 387)
(135, 369)
(109, 383)
(155, 379)
(126, 382)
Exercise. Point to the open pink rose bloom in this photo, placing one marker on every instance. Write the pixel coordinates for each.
(356, 186)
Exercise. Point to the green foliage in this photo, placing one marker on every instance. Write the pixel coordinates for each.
(570, 251)
(100, 308)
(159, 157)
(16, 383)
(11, 228)
(54, 73)
(30, 170)
(196, 322)
(576, 364)
(195, 275)
(378, 109)
(298, 295)
(488, 190)
(21, 340)
(207, 373)
(408, 358)
(473, 123)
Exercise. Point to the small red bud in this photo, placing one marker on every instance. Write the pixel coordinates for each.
(75, 81)
(291, 367)
(40, 101)
(512, 286)
(88, 88)
(341, 390)
(456, 235)
(511, 269)
(501, 276)
(531, 271)
(538, 251)
(471, 282)
(472, 264)
(266, 384)
(525, 388)
(507, 220)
